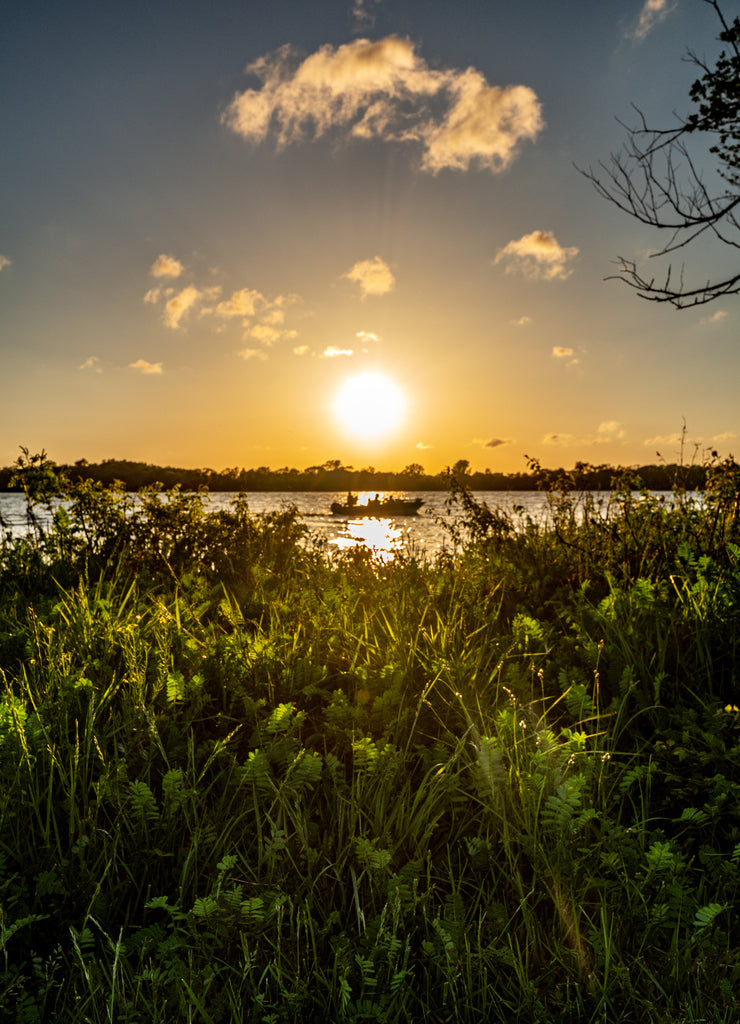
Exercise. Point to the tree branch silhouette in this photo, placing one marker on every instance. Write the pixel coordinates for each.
(657, 180)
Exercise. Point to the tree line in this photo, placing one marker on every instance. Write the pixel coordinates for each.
(333, 476)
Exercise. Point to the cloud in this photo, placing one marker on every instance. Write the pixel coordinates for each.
(563, 440)
(522, 321)
(166, 266)
(180, 304)
(246, 305)
(423, 447)
(144, 367)
(374, 277)
(331, 352)
(563, 352)
(610, 430)
(538, 255)
(653, 13)
(607, 432)
(494, 442)
(209, 294)
(91, 363)
(252, 353)
(716, 318)
(484, 125)
(5, 262)
(662, 439)
(383, 89)
(726, 436)
(366, 337)
(243, 303)
(266, 334)
(300, 350)
(363, 13)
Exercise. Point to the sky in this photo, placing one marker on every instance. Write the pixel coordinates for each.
(220, 223)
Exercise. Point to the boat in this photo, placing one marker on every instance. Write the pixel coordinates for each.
(377, 507)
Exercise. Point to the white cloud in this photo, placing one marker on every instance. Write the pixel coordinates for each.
(653, 13)
(522, 321)
(560, 352)
(252, 353)
(366, 337)
(166, 266)
(726, 436)
(332, 353)
(423, 447)
(374, 276)
(144, 367)
(180, 304)
(383, 90)
(300, 350)
(716, 318)
(153, 295)
(5, 262)
(538, 255)
(91, 363)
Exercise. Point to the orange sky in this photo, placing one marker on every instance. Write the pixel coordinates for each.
(211, 219)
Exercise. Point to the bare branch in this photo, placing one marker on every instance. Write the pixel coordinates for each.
(677, 296)
(657, 180)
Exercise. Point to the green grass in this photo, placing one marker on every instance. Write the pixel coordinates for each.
(241, 781)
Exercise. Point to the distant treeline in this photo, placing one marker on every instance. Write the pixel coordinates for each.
(332, 476)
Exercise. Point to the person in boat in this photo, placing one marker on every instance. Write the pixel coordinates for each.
(351, 499)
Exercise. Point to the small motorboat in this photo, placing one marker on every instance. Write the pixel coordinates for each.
(377, 507)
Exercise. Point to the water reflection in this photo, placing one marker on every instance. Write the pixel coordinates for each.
(426, 534)
(383, 536)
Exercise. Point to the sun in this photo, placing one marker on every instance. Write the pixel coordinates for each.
(369, 406)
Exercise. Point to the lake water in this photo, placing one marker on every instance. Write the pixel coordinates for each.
(428, 532)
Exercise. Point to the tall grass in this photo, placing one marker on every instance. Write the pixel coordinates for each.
(241, 781)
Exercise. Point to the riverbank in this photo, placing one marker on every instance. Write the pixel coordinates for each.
(332, 476)
(241, 781)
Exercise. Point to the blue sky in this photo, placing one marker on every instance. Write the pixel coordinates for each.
(212, 216)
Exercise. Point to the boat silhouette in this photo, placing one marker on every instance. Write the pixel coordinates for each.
(377, 507)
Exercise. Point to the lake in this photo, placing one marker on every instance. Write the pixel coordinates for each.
(427, 533)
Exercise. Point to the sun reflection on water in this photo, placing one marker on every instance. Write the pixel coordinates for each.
(382, 536)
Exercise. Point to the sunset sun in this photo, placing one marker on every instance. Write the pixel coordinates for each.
(369, 405)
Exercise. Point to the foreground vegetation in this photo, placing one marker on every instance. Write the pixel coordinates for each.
(240, 781)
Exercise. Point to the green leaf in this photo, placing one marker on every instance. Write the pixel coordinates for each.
(705, 916)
